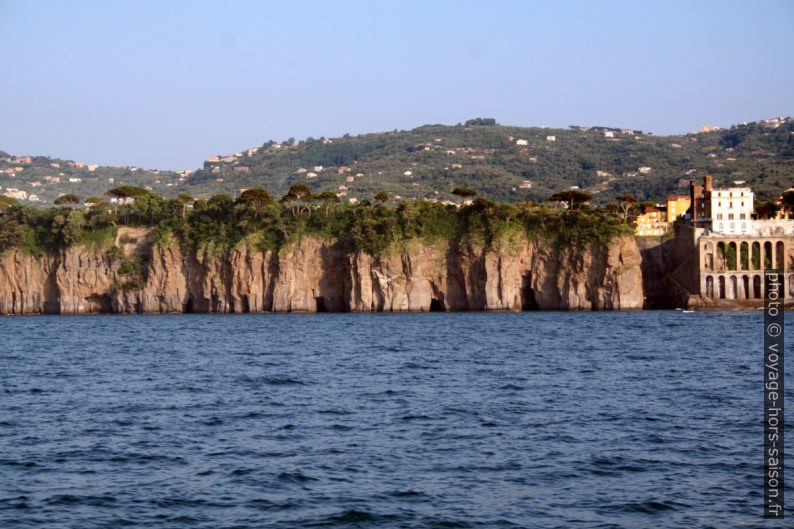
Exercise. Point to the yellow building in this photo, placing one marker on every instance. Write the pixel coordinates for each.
(652, 222)
(677, 205)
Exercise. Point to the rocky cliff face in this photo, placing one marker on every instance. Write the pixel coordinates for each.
(315, 275)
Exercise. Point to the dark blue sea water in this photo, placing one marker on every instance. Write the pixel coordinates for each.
(650, 419)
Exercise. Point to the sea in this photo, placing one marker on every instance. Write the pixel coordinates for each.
(441, 420)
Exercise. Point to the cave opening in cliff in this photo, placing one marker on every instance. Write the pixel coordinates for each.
(320, 301)
(436, 305)
(187, 308)
(528, 301)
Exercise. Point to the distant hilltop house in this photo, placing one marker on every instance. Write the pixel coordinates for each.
(122, 200)
(242, 169)
(18, 194)
(522, 143)
(551, 138)
(526, 184)
(772, 123)
(644, 170)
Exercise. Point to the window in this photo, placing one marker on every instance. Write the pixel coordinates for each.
(719, 216)
(730, 216)
(742, 216)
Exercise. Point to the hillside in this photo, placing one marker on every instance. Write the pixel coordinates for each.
(501, 162)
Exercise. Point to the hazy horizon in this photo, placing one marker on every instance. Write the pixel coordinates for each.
(166, 85)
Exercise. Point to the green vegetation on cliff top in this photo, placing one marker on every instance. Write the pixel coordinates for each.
(220, 223)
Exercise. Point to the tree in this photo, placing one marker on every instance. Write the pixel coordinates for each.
(7, 202)
(255, 199)
(184, 199)
(128, 192)
(93, 201)
(297, 198)
(382, 197)
(464, 193)
(627, 206)
(572, 197)
(67, 200)
(328, 198)
(766, 210)
(480, 121)
(788, 200)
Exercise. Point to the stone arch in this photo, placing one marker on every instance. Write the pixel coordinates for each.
(734, 293)
(757, 291)
(744, 256)
(779, 255)
(746, 286)
(721, 282)
(710, 286)
(756, 256)
(731, 256)
(720, 257)
(708, 256)
(791, 285)
(790, 258)
(767, 261)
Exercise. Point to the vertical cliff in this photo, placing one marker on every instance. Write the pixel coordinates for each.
(317, 275)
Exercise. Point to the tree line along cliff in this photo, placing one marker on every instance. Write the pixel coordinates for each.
(311, 253)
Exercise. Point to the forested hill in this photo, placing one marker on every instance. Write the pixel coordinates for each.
(500, 162)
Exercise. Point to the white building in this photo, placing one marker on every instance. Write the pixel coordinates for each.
(18, 194)
(731, 210)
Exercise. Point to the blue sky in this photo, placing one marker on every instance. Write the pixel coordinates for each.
(165, 83)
